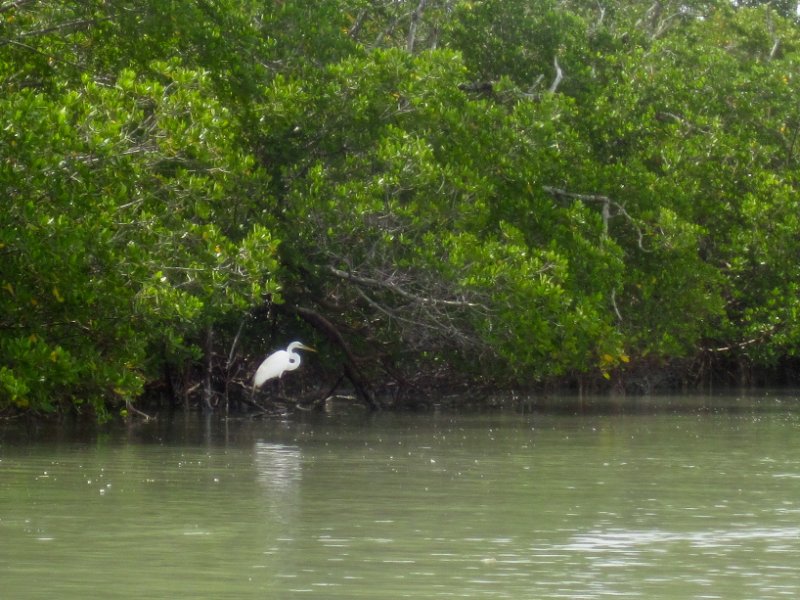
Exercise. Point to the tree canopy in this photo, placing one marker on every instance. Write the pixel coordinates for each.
(507, 192)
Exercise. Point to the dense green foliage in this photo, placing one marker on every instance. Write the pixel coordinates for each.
(511, 191)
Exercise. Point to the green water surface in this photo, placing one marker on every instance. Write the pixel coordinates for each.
(508, 504)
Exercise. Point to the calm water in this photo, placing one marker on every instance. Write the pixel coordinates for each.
(694, 504)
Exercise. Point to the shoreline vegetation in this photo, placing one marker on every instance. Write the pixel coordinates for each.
(438, 195)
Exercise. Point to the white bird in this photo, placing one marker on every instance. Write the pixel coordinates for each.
(277, 363)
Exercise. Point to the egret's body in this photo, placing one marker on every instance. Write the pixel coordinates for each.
(277, 363)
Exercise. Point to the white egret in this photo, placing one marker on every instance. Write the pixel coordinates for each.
(277, 363)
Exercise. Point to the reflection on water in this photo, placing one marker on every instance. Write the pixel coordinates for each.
(639, 541)
(279, 470)
(278, 467)
(500, 505)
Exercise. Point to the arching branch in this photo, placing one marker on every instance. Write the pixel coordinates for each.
(350, 366)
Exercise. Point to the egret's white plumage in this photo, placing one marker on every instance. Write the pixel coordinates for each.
(277, 363)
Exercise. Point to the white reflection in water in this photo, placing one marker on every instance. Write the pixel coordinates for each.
(279, 471)
(279, 467)
(712, 559)
(616, 540)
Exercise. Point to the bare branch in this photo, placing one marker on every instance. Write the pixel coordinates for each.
(395, 289)
(71, 25)
(559, 76)
(12, 5)
(132, 409)
(765, 335)
(601, 16)
(358, 23)
(412, 28)
(350, 366)
(607, 204)
(614, 305)
(386, 31)
(553, 191)
(235, 343)
(774, 48)
(776, 41)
